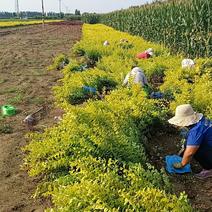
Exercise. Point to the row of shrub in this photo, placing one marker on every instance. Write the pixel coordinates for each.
(185, 26)
(191, 86)
(94, 159)
(18, 22)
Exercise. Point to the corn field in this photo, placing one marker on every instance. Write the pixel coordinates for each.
(182, 25)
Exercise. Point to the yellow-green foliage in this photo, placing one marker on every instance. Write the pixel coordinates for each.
(69, 90)
(101, 188)
(59, 62)
(94, 159)
(191, 86)
(202, 95)
(115, 61)
(4, 24)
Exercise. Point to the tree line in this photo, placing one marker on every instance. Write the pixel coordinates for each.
(38, 15)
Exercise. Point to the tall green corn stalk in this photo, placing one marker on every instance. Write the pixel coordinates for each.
(183, 25)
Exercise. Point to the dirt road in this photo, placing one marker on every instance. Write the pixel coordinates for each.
(24, 82)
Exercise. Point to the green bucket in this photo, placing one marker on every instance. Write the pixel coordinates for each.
(8, 110)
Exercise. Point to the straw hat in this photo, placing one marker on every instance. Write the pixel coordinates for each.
(185, 116)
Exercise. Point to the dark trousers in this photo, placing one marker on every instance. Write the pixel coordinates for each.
(204, 157)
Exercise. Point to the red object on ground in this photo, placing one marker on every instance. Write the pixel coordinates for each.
(143, 55)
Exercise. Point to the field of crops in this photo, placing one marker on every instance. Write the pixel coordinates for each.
(95, 159)
(185, 26)
(14, 23)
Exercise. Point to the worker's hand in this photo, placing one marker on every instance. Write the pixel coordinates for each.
(178, 165)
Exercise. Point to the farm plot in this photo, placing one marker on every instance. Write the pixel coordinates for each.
(97, 157)
(25, 83)
(15, 23)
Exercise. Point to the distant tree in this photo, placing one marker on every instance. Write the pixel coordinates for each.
(7, 15)
(77, 12)
(30, 15)
(134, 7)
(62, 15)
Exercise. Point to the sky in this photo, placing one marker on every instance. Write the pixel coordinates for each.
(99, 6)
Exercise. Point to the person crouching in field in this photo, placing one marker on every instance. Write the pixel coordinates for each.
(198, 139)
(137, 76)
(146, 54)
(188, 63)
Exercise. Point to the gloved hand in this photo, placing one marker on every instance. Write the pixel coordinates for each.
(178, 165)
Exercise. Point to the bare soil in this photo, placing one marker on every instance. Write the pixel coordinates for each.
(166, 141)
(25, 83)
(25, 52)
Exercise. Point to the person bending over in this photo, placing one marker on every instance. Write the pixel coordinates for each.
(138, 77)
(198, 142)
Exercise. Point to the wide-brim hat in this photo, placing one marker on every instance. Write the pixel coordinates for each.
(185, 116)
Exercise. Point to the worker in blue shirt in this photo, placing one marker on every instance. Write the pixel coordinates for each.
(198, 139)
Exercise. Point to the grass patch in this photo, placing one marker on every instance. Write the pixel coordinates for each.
(38, 72)
(2, 81)
(8, 90)
(37, 100)
(5, 129)
(16, 100)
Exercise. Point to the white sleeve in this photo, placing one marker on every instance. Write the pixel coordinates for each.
(126, 79)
